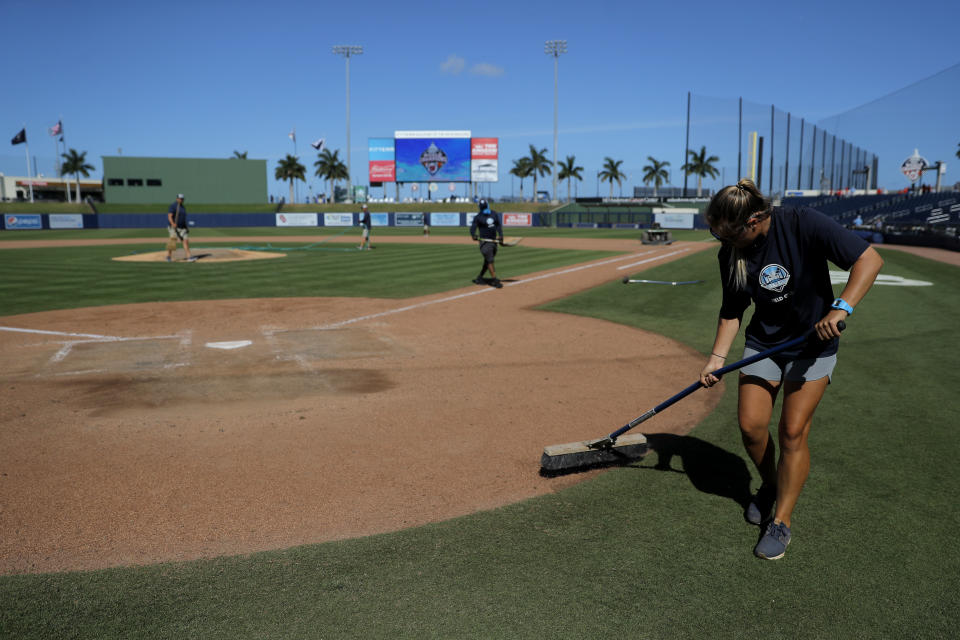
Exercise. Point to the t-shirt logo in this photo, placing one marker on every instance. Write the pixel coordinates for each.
(774, 277)
(490, 222)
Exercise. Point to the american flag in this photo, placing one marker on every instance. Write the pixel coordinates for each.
(56, 129)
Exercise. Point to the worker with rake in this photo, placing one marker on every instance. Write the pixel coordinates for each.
(488, 230)
(777, 258)
(177, 228)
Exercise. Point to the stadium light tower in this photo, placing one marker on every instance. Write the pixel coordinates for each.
(347, 51)
(554, 48)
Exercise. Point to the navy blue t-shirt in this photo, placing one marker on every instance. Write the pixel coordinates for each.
(179, 218)
(788, 278)
(487, 224)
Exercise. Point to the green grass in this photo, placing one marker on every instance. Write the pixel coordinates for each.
(210, 234)
(46, 279)
(638, 552)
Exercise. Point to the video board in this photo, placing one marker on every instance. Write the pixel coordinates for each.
(432, 156)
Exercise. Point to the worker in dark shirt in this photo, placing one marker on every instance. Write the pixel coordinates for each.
(488, 230)
(777, 259)
(178, 229)
(365, 223)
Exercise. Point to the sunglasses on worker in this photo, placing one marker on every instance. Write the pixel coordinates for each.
(739, 231)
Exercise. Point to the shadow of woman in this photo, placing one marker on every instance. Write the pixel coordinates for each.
(710, 469)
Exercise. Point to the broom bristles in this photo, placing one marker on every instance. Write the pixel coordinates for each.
(562, 457)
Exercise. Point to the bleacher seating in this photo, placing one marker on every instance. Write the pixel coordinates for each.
(889, 208)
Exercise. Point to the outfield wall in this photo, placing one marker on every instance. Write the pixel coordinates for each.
(15, 221)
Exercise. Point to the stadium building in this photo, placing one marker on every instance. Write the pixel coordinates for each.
(133, 180)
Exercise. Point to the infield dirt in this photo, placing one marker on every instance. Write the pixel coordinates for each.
(153, 432)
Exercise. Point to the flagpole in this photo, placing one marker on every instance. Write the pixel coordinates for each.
(66, 180)
(61, 137)
(296, 187)
(26, 145)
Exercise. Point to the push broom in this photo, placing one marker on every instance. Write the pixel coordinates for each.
(616, 449)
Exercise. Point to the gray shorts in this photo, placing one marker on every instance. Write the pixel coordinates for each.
(489, 250)
(787, 368)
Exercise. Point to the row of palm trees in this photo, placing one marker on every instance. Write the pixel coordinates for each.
(537, 165)
(329, 167)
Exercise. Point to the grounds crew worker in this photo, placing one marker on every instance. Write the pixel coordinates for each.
(365, 223)
(486, 224)
(177, 228)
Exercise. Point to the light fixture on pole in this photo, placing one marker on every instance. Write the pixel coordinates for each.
(554, 48)
(347, 51)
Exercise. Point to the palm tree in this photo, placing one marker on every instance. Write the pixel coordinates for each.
(700, 165)
(338, 172)
(521, 169)
(611, 172)
(76, 163)
(656, 173)
(569, 170)
(539, 164)
(290, 169)
(330, 167)
(240, 155)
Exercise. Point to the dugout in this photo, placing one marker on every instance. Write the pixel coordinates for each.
(140, 180)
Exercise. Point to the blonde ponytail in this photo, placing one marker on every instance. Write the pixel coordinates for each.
(728, 211)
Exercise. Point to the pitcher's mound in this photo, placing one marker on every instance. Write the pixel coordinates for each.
(202, 255)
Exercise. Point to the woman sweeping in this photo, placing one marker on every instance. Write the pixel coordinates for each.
(776, 258)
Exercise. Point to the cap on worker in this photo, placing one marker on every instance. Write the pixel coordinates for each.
(179, 196)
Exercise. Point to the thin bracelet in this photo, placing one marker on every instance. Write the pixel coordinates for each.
(718, 355)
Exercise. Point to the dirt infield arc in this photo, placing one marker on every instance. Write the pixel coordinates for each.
(153, 432)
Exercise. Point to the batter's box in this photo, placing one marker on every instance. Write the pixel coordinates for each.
(332, 344)
(120, 356)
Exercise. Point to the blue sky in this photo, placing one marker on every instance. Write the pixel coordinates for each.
(202, 79)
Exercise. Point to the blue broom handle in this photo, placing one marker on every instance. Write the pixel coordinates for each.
(719, 372)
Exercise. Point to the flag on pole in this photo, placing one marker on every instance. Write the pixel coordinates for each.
(318, 145)
(56, 129)
(20, 138)
(293, 134)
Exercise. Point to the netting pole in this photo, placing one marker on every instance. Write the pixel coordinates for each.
(823, 159)
(740, 141)
(786, 162)
(800, 154)
(686, 151)
(772, 114)
(813, 155)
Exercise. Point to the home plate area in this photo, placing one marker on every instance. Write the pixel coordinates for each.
(117, 375)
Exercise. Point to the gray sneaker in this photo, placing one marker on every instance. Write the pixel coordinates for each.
(774, 542)
(761, 506)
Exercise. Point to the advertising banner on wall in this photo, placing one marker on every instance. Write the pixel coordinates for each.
(296, 219)
(22, 221)
(338, 219)
(432, 156)
(445, 219)
(66, 220)
(518, 219)
(408, 219)
(484, 153)
(381, 159)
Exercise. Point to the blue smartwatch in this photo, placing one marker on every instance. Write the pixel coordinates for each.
(842, 304)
